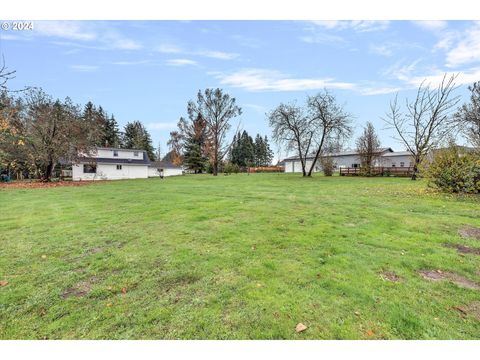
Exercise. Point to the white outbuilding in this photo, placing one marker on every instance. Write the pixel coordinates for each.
(164, 168)
(111, 164)
(344, 159)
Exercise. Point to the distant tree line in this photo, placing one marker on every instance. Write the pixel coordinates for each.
(245, 152)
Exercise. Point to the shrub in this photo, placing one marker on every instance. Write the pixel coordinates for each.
(231, 168)
(454, 170)
(328, 166)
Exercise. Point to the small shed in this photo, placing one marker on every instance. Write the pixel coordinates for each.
(165, 168)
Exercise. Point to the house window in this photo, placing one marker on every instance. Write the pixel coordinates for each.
(135, 153)
(89, 169)
(119, 167)
(115, 153)
(354, 165)
(394, 164)
(402, 164)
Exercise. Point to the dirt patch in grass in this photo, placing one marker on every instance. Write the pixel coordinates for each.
(390, 276)
(42, 185)
(473, 310)
(94, 250)
(470, 232)
(171, 281)
(80, 289)
(464, 249)
(438, 275)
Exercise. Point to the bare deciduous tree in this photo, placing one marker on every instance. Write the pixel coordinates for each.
(321, 122)
(468, 116)
(368, 145)
(291, 127)
(217, 109)
(427, 120)
(5, 75)
(329, 122)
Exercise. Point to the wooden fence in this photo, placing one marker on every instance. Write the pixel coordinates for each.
(265, 169)
(378, 171)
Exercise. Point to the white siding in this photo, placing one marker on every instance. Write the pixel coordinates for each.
(122, 154)
(339, 161)
(152, 172)
(389, 161)
(110, 172)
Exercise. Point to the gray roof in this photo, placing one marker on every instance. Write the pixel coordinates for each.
(398, 153)
(164, 164)
(144, 161)
(337, 154)
(116, 148)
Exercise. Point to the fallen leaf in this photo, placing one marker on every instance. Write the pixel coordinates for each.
(109, 305)
(370, 333)
(357, 313)
(259, 285)
(3, 283)
(254, 247)
(44, 256)
(124, 290)
(300, 327)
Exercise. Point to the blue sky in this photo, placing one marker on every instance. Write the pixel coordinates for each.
(148, 70)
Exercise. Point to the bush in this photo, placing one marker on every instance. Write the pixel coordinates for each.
(231, 168)
(454, 170)
(328, 166)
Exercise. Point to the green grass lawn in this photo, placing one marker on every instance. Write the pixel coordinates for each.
(236, 257)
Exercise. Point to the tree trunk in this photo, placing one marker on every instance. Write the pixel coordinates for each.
(317, 155)
(47, 176)
(415, 169)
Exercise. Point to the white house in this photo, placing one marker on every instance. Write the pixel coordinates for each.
(397, 159)
(350, 159)
(164, 168)
(112, 164)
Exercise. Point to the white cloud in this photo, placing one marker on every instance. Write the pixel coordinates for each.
(162, 125)
(85, 34)
(180, 62)
(174, 49)
(84, 68)
(270, 80)
(322, 38)
(465, 77)
(357, 25)
(383, 50)
(169, 49)
(122, 43)
(465, 48)
(216, 54)
(400, 71)
(365, 90)
(137, 62)
(73, 30)
(431, 25)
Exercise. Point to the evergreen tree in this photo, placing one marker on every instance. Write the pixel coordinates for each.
(259, 150)
(268, 152)
(194, 144)
(111, 136)
(242, 152)
(136, 136)
(235, 153)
